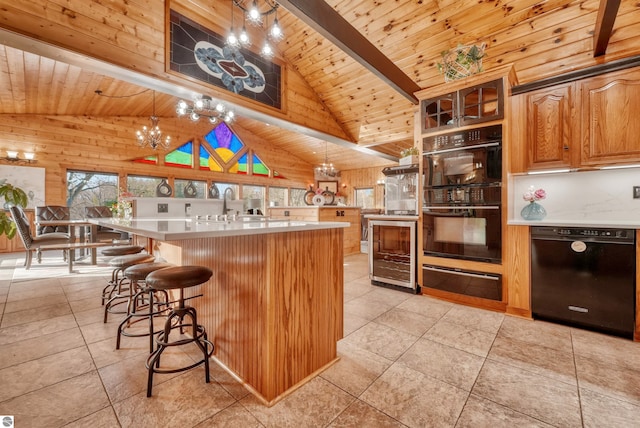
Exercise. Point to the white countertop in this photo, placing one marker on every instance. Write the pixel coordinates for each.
(189, 228)
(391, 217)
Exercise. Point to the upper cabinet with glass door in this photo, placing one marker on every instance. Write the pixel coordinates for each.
(469, 106)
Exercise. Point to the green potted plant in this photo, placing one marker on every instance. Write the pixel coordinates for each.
(12, 196)
(462, 61)
(409, 156)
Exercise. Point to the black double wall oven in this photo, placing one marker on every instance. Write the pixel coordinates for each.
(462, 208)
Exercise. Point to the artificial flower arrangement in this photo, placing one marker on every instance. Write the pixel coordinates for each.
(123, 208)
(532, 194)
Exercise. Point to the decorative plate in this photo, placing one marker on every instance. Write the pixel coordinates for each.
(318, 200)
(214, 193)
(190, 190)
(164, 189)
(308, 197)
(328, 197)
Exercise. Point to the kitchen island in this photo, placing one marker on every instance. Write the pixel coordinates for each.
(274, 305)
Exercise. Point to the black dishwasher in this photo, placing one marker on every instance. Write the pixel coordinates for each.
(584, 277)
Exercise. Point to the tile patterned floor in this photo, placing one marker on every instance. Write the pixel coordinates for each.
(406, 360)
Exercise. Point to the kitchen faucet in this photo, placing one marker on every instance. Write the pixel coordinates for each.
(225, 210)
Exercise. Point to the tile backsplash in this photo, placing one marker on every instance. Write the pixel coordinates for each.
(581, 196)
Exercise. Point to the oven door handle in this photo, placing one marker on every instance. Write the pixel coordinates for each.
(461, 273)
(457, 149)
(464, 213)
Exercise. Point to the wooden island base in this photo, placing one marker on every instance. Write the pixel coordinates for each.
(274, 305)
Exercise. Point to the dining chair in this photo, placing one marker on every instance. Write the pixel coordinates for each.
(104, 234)
(33, 243)
(52, 212)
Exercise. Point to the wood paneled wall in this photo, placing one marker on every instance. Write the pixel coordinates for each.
(362, 178)
(132, 35)
(109, 145)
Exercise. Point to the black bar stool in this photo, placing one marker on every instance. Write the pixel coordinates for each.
(116, 295)
(178, 278)
(137, 309)
(121, 250)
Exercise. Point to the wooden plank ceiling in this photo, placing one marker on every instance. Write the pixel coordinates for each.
(541, 39)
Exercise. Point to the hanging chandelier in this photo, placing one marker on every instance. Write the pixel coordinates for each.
(258, 16)
(152, 136)
(327, 167)
(205, 107)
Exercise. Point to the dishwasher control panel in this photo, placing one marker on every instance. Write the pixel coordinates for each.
(587, 234)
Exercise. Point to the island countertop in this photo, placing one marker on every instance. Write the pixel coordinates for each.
(186, 228)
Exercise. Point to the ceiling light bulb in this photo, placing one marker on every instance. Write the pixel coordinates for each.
(199, 104)
(267, 51)
(244, 37)
(232, 40)
(213, 120)
(220, 108)
(194, 116)
(254, 13)
(276, 32)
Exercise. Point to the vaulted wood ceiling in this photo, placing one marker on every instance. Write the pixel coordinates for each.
(540, 38)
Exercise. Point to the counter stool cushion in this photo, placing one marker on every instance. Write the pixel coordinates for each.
(122, 262)
(178, 277)
(140, 271)
(122, 250)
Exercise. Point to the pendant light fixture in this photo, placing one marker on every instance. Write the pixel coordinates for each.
(152, 136)
(256, 13)
(327, 167)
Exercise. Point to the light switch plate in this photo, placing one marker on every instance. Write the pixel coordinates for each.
(163, 208)
(636, 192)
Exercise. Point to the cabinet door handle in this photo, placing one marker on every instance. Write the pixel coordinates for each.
(565, 147)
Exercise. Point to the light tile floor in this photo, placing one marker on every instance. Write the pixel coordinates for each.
(406, 360)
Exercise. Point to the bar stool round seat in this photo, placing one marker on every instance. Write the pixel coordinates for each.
(122, 250)
(113, 293)
(137, 308)
(179, 278)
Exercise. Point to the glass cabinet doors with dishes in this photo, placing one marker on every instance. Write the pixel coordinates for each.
(469, 106)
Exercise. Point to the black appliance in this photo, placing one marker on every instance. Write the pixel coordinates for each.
(392, 254)
(584, 277)
(470, 283)
(462, 195)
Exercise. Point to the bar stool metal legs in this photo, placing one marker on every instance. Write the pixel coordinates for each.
(139, 307)
(181, 317)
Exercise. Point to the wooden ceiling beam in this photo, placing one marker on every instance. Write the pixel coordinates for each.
(604, 25)
(326, 21)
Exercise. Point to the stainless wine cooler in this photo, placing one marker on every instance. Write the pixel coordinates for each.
(392, 254)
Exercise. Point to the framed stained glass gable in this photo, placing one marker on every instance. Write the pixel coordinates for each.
(207, 162)
(181, 157)
(153, 160)
(200, 53)
(259, 168)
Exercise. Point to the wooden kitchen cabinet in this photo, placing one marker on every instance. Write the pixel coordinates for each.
(326, 213)
(587, 123)
(479, 103)
(610, 126)
(550, 134)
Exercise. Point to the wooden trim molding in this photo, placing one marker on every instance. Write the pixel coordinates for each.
(596, 70)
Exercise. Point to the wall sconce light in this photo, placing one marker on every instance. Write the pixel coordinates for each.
(12, 156)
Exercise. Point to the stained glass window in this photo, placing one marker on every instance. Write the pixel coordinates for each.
(207, 162)
(219, 149)
(259, 168)
(149, 159)
(181, 157)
